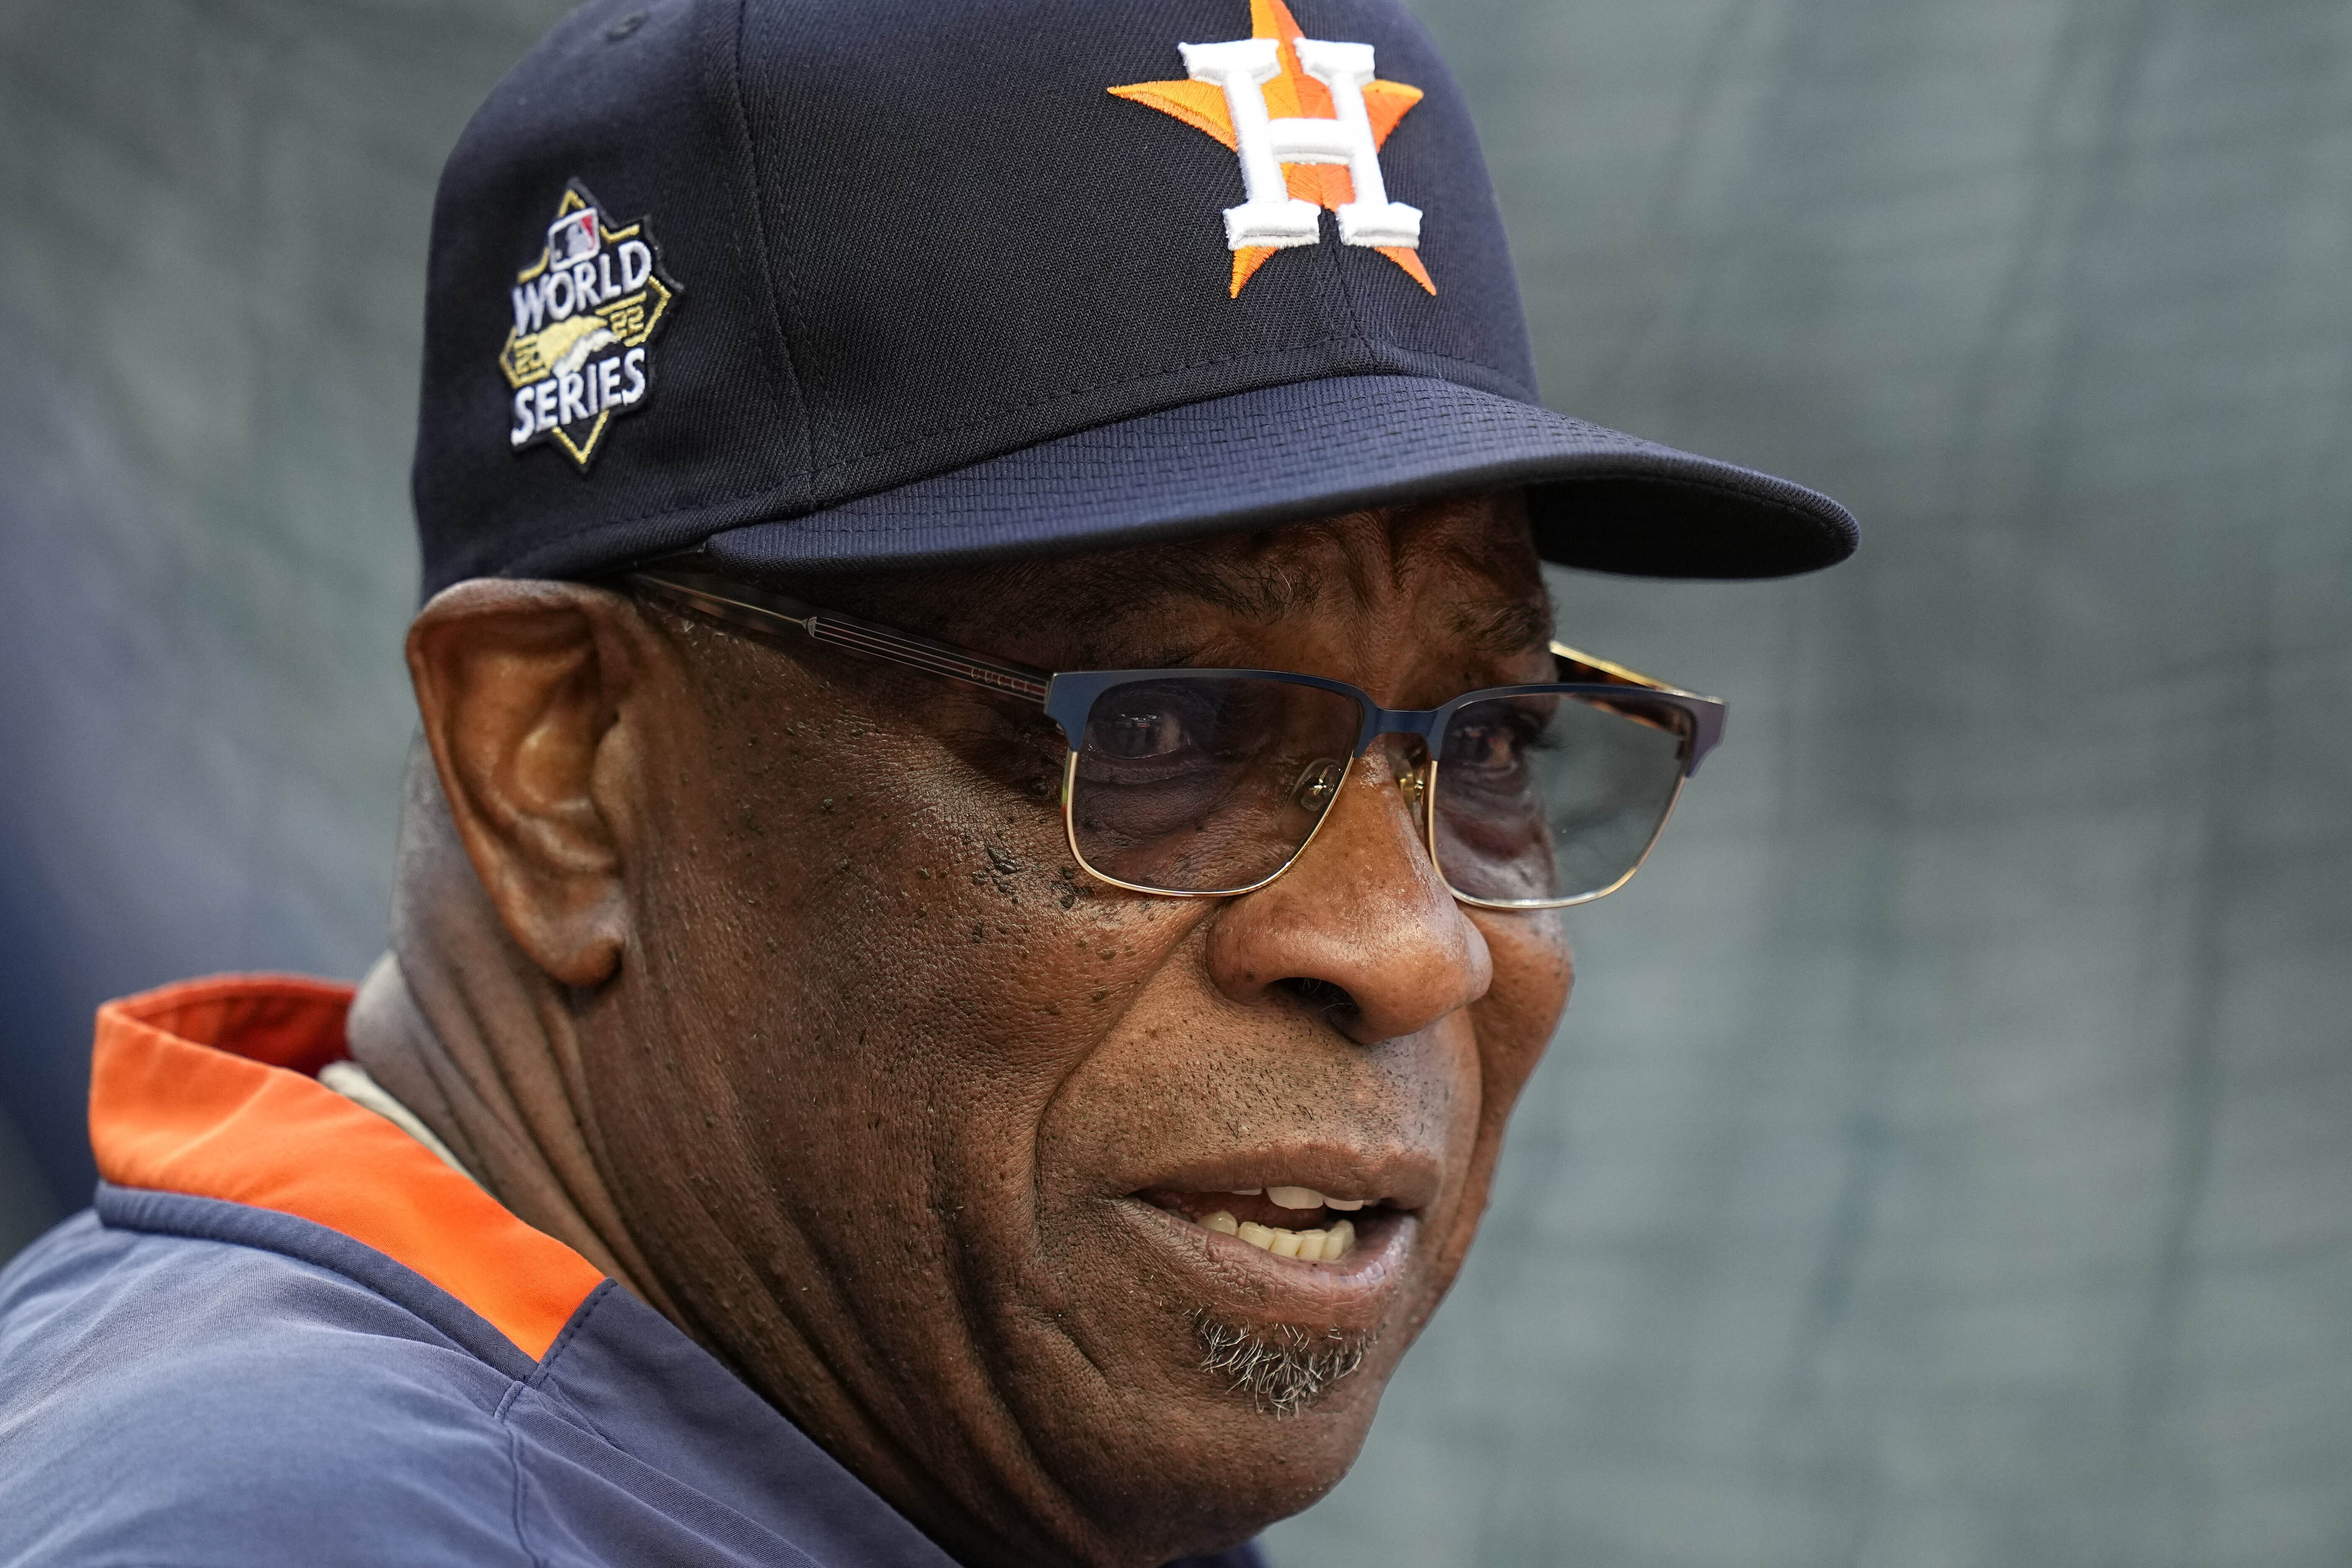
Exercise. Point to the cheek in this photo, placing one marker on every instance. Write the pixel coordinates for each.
(919, 938)
(1513, 1024)
(1533, 975)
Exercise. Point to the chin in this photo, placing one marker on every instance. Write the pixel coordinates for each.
(1209, 1470)
(1205, 1385)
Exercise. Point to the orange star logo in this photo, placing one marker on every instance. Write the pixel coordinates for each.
(1292, 95)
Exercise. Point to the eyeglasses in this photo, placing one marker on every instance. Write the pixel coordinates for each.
(1211, 782)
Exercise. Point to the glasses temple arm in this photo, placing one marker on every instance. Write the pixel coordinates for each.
(1603, 671)
(1585, 666)
(761, 611)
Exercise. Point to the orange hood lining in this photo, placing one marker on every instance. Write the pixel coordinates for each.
(207, 1087)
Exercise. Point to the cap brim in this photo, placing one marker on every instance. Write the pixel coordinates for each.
(1598, 499)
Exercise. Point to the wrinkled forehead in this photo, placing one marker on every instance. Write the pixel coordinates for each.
(1460, 568)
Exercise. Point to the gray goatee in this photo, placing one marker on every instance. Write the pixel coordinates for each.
(1283, 1370)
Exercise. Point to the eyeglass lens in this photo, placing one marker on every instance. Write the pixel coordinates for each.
(1547, 797)
(1207, 785)
(1211, 784)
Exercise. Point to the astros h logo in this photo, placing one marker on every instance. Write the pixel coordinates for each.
(1307, 117)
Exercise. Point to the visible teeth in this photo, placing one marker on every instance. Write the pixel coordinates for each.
(1307, 1245)
(1246, 1191)
(1309, 1198)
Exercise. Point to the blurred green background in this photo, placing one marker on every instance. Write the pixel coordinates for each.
(1948, 1157)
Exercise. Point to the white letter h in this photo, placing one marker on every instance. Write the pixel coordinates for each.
(1271, 216)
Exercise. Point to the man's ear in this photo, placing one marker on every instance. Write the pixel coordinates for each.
(522, 687)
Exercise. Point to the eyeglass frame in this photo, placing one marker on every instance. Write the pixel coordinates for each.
(1067, 698)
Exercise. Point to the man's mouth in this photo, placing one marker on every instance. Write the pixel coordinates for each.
(1289, 1221)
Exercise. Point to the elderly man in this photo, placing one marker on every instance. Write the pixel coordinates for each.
(982, 869)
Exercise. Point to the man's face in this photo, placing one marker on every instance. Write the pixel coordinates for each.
(913, 1121)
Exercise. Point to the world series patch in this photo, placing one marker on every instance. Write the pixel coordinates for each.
(585, 313)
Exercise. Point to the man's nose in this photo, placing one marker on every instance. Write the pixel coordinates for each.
(1360, 927)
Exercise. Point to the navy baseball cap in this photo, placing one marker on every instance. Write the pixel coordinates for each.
(806, 286)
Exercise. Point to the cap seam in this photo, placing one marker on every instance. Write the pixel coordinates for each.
(1001, 411)
(1283, 348)
(1330, 258)
(778, 315)
(569, 545)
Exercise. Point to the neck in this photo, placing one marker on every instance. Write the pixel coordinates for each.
(486, 1055)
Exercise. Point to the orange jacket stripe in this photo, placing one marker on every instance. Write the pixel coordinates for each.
(205, 1087)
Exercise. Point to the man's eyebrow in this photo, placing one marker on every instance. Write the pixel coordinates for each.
(1263, 593)
(1501, 628)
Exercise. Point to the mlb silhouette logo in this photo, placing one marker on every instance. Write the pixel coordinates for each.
(571, 239)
